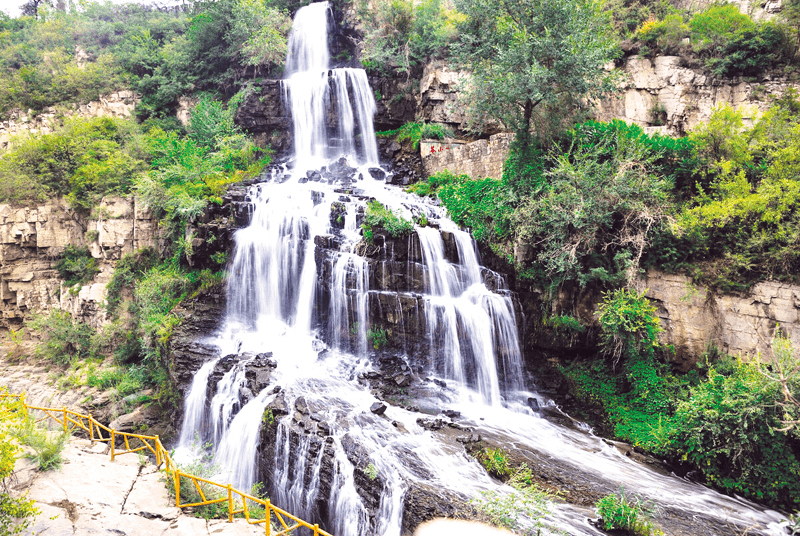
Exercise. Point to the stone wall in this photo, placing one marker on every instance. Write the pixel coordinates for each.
(666, 97)
(118, 104)
(32, 238)
(693, 317)
(482, 158)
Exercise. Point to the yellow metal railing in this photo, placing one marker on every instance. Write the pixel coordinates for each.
(236, 500)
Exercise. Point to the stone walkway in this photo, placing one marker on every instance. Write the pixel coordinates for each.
(91, 495)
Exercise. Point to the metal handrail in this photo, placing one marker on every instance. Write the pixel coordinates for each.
(71, 420)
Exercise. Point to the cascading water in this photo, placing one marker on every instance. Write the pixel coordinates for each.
(315, 315)
(312, 87)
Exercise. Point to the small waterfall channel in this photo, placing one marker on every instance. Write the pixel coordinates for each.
(309, 306)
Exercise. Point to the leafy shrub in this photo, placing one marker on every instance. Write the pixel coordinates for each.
(506, 510)
(565, 324)
(630, 15)
(634, 515)
(188, 173)
(415, 132)
(665, 35)
(751, 51)
(592, 219)
(62, 339)
(126, 380)
(482, 205)
(717, 24)
(629, 325)
(743, 225)
(495, 461)
(76, 266)
(378, 338)
(47, 446)
(16, 514)
(728, 430)
(83, 160)
(377, 216)
(401, 35)
(130, 268)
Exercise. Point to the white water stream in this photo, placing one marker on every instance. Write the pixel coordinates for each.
(273, 295)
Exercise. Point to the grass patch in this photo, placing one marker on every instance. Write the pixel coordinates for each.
(48, 446)
(619, 512)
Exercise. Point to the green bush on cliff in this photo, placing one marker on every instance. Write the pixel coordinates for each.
(415, 132)
(82, 160)
(378, 216)
(732, 428)
(189, 172)
(744, 223)
(400, 35)
(76, 265)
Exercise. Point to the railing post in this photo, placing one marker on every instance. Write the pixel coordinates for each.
(230, 504)
(268, 518)
(65, 420)
(112, 444)
(177, 482)
(157, 444)
(316, 529)
(91, 428)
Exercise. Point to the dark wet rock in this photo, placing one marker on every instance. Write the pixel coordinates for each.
(200, 316)
(279, 406)
(402, 380)
(533, 403)
(378, 408)
(423, 502)
(377, 173)
(453, 414)
(431, 424)
(265, 116)
(473, 437)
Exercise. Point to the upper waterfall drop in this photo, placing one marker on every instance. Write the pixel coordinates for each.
(308, 41)
(315, 93)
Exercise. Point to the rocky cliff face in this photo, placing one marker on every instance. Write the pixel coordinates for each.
(32, 238)
(694, 318)
(118, 104)
(667, 97)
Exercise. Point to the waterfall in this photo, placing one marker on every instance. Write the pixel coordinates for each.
(311, 90)
(302, 287)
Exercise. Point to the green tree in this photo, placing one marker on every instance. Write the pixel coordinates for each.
(533, 61)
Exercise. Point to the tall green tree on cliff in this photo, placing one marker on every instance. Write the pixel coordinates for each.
(533, 62)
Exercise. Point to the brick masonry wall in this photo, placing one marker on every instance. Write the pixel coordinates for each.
(482, 158)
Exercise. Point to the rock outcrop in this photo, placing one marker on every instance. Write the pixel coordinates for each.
(32, 238)
(694, 318)
(667, 97)
(117, 104)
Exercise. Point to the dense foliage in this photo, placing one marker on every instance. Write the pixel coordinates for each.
(742, 226)
(83, 160)
(61, 58)
(415, 132)
(16, 514)
(731, 421)
(400, 35)
(729, 43)
(378, 216)
(635, 516)
(524, 73)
